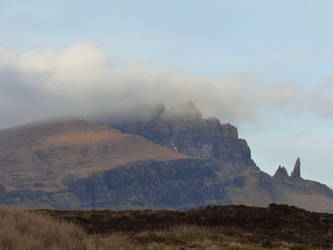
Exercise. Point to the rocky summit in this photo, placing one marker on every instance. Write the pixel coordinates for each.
(173, 159)
(183, 130)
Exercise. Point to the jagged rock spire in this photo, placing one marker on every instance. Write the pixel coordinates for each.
(281, 173)
(297, 169)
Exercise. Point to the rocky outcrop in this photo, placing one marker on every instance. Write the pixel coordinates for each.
(296, 173)
(183, 129)
(281, 174)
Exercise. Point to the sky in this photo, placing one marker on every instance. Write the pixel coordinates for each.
(264, 66)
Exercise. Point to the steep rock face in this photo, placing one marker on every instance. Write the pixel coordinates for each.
(182, 129)
(296, 173)
(177, 184)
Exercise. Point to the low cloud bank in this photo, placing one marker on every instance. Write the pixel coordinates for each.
(85, 81)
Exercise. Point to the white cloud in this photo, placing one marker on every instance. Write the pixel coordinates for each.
(84, 79)
(322, 98)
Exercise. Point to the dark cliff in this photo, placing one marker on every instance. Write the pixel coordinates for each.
(183, 129)
(177, 184)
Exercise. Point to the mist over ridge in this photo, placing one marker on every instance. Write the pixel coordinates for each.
(84, 80)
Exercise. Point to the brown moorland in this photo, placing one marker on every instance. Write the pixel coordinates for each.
(40, 155)
(275, 226)
(216, 227)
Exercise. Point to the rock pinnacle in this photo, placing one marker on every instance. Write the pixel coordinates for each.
(297, 169)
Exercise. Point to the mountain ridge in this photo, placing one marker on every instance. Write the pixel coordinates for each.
(42, 151)
(208, 138)
(189, 162)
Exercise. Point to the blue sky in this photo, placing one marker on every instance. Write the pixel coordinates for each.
(275, 42)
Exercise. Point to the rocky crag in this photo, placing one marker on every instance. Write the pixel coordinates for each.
(184, 130)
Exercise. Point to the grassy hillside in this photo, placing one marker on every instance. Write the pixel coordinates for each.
(20, 230)
(41, 155)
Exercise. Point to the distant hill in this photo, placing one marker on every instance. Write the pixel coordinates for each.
(73, 163)
(42, 155)
(173, 159)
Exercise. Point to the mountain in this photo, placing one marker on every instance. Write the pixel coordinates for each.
(74, 163)
(183, 129)
(172, 159)
(43, 155)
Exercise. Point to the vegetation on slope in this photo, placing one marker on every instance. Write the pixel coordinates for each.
(139, 230)
(39, 156)
(275, 226)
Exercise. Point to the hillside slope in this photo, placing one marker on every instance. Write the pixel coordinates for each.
(40, 156)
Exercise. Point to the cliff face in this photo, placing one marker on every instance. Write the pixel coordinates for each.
(177, 184)
(182, 129)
